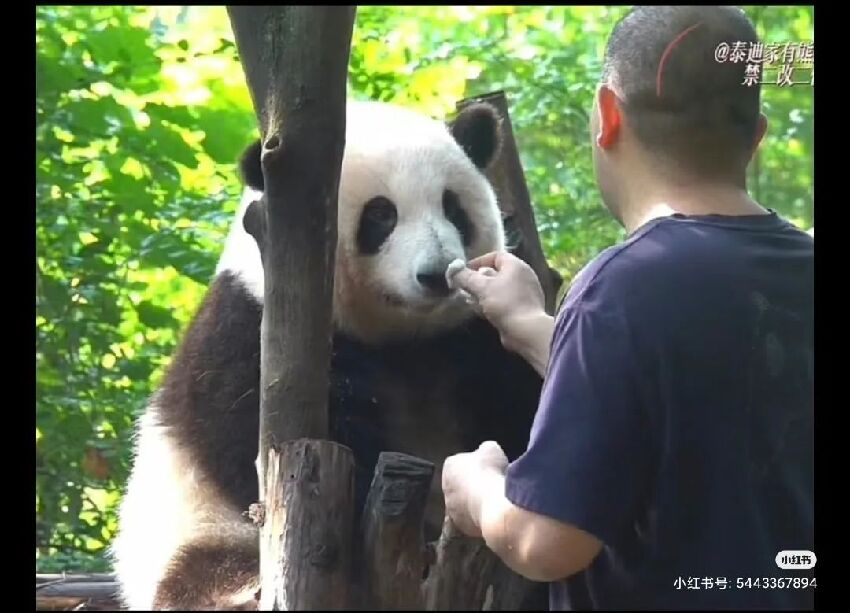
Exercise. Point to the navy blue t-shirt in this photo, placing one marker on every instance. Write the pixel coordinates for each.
(676, 419)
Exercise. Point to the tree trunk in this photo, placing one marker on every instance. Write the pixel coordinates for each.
(467, 576)
(296, 64)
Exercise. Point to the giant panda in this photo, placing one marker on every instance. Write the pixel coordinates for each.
(413, 369)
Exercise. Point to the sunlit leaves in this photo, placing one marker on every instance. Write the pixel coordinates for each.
(120, 158)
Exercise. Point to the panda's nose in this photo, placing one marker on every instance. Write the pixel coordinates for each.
(434, 281)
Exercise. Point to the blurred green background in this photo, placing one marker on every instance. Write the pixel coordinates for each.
(141, 114)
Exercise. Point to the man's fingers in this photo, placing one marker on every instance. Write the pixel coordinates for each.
(471, 281)
(490, 447)
(494, 452)
(490, 260)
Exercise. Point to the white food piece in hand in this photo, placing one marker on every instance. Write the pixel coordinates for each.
(454, 267)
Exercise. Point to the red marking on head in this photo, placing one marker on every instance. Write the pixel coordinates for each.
(666, 54)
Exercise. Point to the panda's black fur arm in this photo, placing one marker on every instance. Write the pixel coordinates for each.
(209, 399)
(493, 393)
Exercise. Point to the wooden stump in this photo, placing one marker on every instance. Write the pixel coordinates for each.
(398, 574)
(307, 518)
(467, 576)
(393, 546)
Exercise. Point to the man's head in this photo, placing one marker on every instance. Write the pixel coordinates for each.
(668, 107)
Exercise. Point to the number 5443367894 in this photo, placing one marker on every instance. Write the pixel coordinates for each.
(776, 583)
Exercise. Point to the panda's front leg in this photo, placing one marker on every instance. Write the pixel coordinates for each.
(213, 572)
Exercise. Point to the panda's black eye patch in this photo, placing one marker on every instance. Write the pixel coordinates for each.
(455, 214)
(377, 222)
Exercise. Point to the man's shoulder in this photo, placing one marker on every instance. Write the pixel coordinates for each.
(642, 260)
(668, 253)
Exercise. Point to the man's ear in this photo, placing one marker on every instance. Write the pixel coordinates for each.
(610, 118)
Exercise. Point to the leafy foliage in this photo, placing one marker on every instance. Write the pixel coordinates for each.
(141, 113)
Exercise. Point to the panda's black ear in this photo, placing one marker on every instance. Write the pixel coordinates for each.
(250, 167)
(477, 129)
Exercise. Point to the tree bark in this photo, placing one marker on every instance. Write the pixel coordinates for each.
(393, 547)
(306, 532)
(296, 64)
(467, 576)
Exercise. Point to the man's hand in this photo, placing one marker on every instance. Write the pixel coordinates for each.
(511, 298)
(537, 547)
(465, 483)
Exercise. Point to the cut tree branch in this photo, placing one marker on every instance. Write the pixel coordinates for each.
(468, 576)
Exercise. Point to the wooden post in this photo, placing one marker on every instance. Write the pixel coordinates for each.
(467, 576)
(307, 527)
(508, 180)
(296, 64)
(399, 572)
(393, 547)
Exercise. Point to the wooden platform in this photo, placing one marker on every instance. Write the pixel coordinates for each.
(76, 592)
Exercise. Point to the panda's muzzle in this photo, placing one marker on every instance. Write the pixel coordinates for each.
(434, 282)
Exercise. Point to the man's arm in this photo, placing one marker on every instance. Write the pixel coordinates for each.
(512, 300)
(582, 480)
(534, 340)
(535, 546)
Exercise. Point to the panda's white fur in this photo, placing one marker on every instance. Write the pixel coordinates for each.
(391, 152)
(166, 495)
(409, 159)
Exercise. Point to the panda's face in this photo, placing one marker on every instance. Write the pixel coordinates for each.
(412, 199)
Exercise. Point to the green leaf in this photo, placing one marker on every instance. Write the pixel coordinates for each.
(154, 316)
(171, 145)
(226, 133)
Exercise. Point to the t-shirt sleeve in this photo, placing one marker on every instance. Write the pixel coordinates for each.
(588, 454)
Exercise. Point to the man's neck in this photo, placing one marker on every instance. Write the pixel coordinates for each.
(664, 200)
